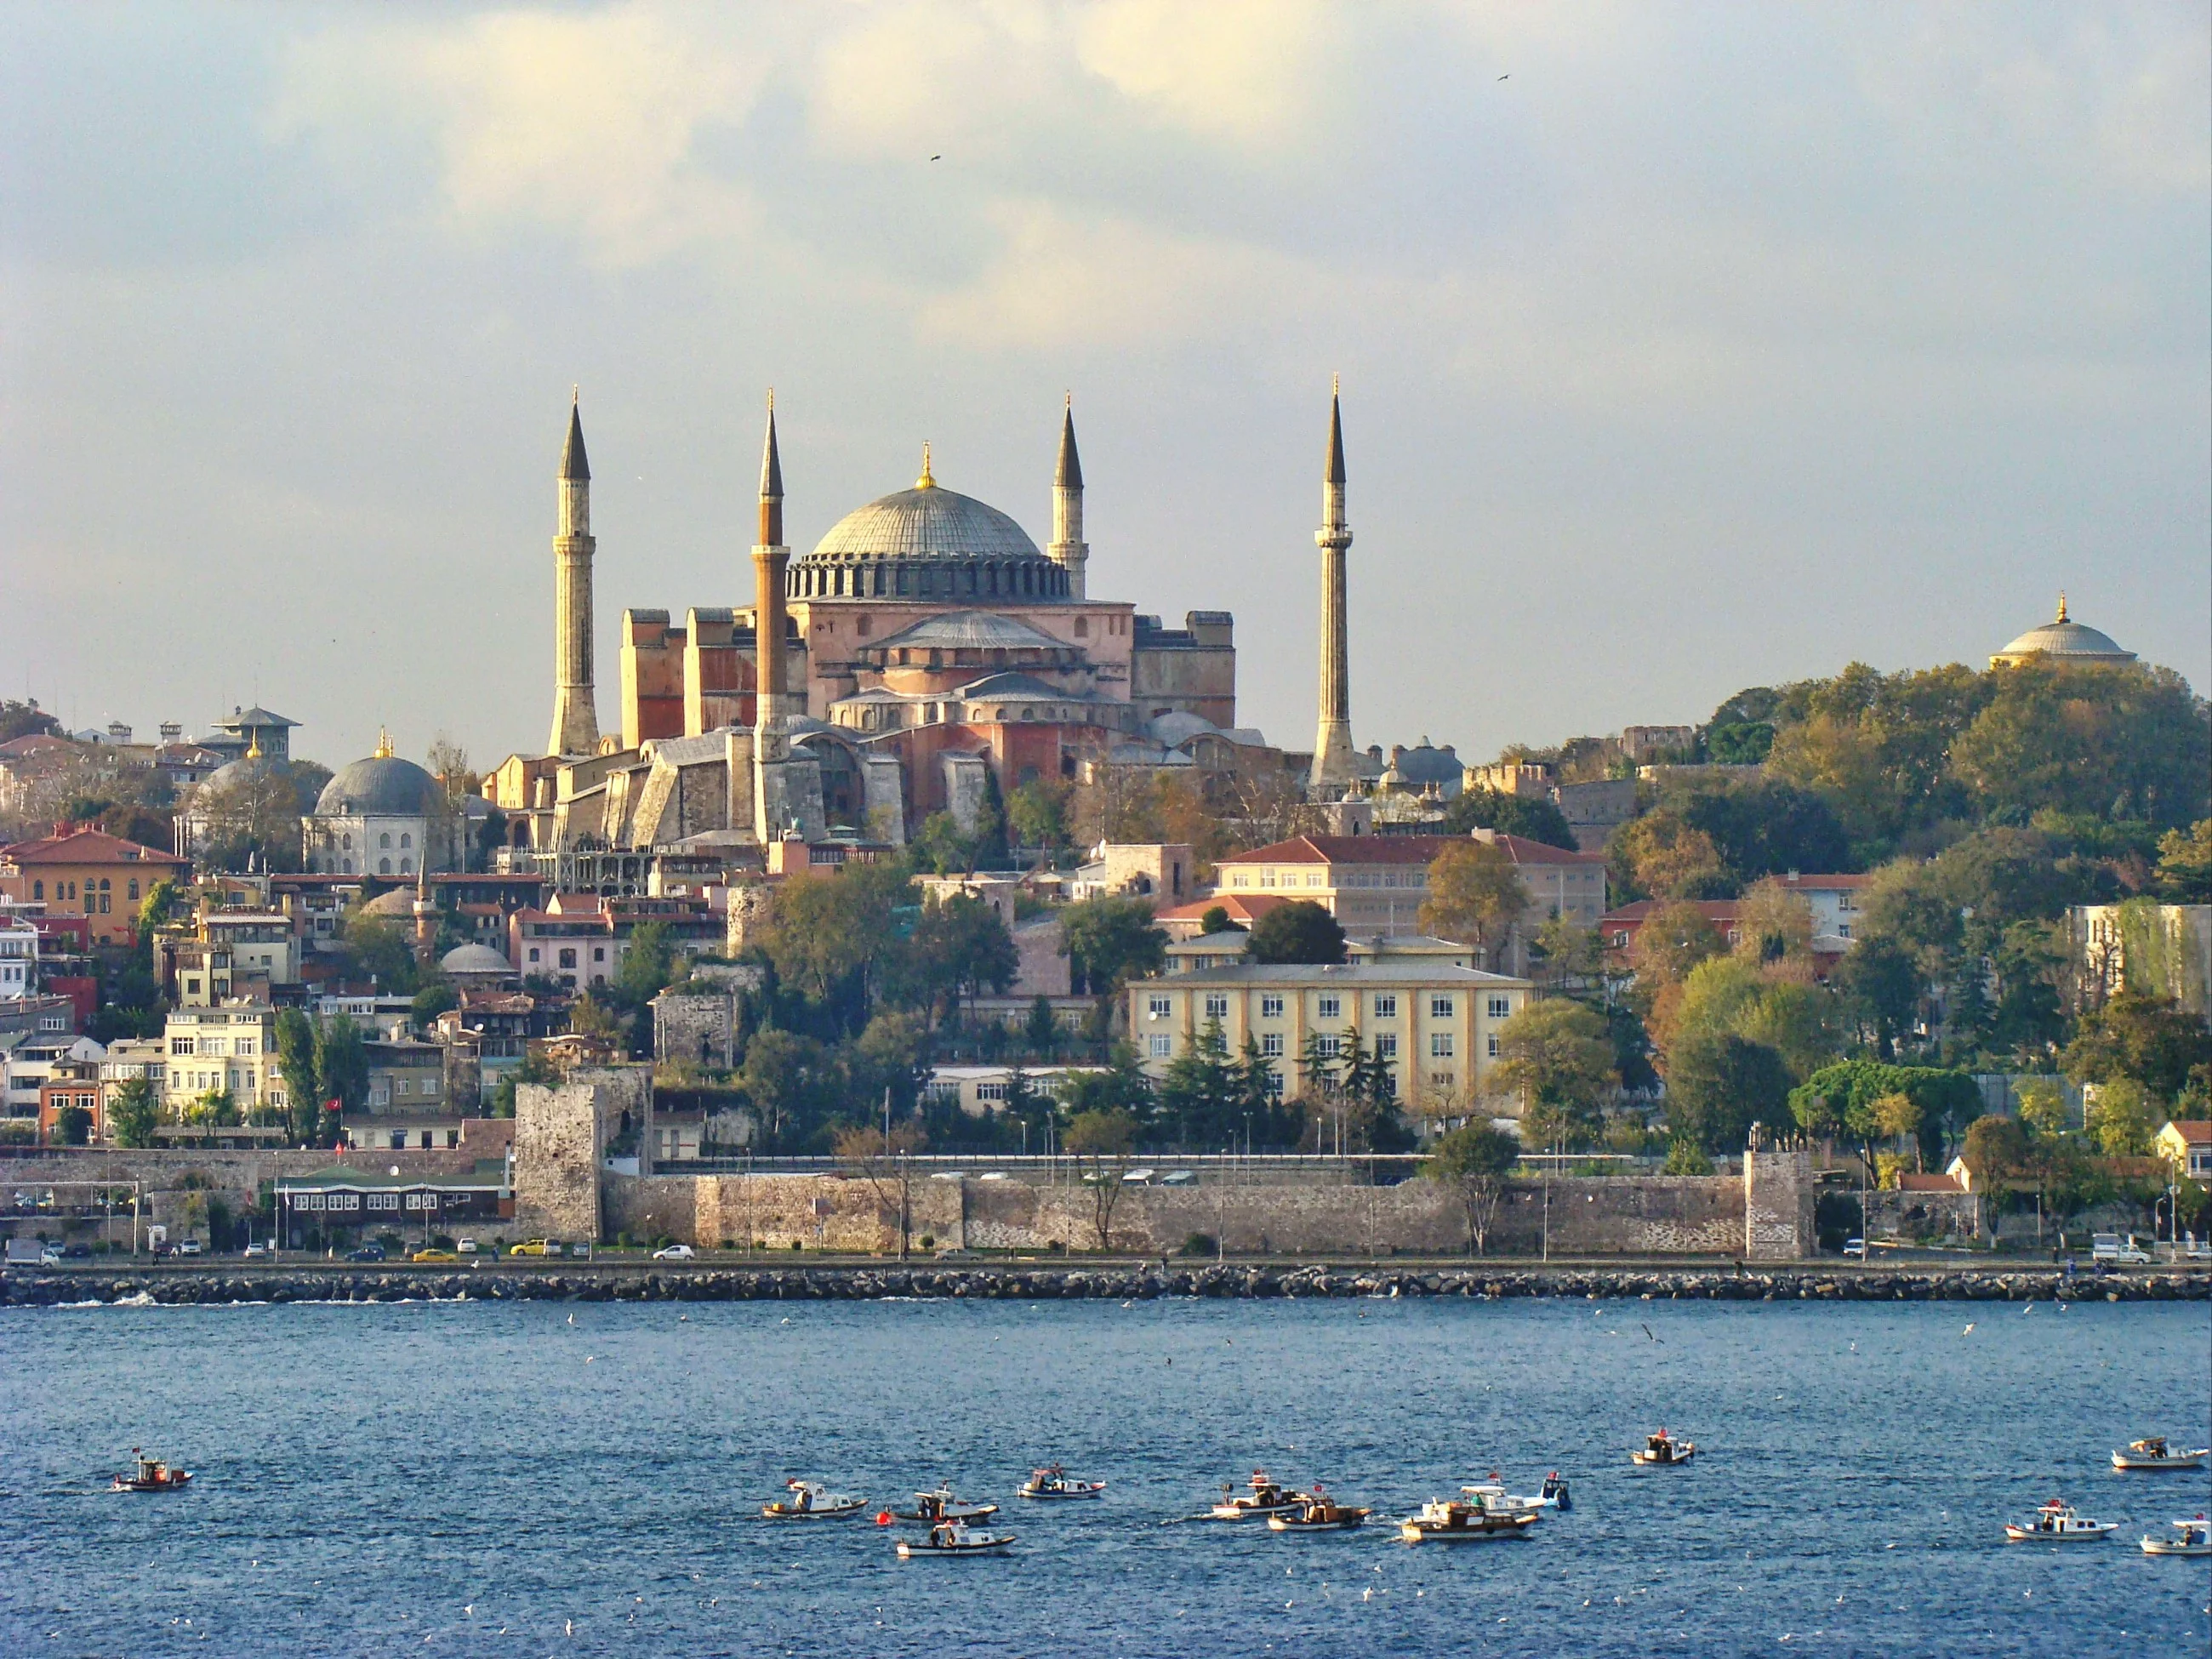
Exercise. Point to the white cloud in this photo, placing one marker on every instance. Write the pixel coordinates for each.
(1247, 71)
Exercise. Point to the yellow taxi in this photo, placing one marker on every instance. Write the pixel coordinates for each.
(536, 1247)
(435, 1255)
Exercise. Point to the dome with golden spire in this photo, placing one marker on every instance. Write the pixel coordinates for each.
(2061, 640)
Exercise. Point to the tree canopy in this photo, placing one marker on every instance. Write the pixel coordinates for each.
(1299, 931)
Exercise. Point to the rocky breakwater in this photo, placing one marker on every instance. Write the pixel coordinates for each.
(1033, 1282)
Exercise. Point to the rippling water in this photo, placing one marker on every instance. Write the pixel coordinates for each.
(493, 1480)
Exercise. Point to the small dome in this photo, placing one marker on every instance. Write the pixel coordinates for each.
(2064, 639)
(251, 770)
(398, 903)
(382, 786)
(475, 959)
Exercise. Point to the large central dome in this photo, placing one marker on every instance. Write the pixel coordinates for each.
(927, 543)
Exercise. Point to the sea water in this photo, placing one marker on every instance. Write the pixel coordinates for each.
(554, 1478)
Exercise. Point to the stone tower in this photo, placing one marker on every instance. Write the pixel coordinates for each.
(1068, 550)
(787, 785)
(1332, 765)
(575, 711)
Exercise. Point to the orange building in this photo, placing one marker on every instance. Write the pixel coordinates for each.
(78, 870)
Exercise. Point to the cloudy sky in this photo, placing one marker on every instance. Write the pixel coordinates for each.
(1684, 348)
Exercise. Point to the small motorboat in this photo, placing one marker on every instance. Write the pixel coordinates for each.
(1491, 1493)
(151, 1474)
(1555, 1488)
(1663, 1450)
(2153, 1452)
(940, 1506)
(2190, 1538)
(2056, 1522)
(1054, 1481)
(1456, 1521)
(811, 1501)
(1265, 1498)
(954, 1538)
(1317, 1512)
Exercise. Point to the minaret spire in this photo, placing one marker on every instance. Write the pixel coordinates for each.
(1334, 768)
(1068, 550)
(576, 711)
(771, 484)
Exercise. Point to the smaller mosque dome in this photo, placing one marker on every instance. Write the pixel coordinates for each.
(383, 785)
(2063, 640)
(399, 904)
(469, 959)
(251, 770)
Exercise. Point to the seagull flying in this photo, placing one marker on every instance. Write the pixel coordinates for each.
(1660, 1341)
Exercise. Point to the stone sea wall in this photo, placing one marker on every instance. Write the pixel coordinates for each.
(1033, 1282)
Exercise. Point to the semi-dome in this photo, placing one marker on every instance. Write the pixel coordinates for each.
(927, 543)
(2063, 640)
(383, 785)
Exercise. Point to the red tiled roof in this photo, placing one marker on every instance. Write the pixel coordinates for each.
(1401, 850)
(1825, 883)
(2193, 1131)
(1719, 912)
(87, 847)
(1929, 1183)
(1241, 907)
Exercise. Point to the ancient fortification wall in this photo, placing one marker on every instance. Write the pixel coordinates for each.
(557, 1147)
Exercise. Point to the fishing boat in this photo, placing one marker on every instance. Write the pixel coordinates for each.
(151, 1474)
(1456, 1521)
(2190, 1538)
(1663, 1450)
(2056, 1522)
(941, 1506)
(1265, 1498)
(1054, 1481)
(2153, 1452)
(1317, 1512)
(810, 1501)
(954, 1538)
(1491, 1495)
(1555, 1488)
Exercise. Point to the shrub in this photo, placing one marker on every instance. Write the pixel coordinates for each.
(929, 1241)
(1685, 1157)
(1198, 1245)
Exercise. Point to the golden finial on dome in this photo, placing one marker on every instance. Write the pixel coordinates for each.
(383, 744)
(253, 746)
(2062, 605)
(925, 481)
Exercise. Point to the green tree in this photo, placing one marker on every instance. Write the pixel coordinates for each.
(959, 948)
(157, 907)
(2185, 864)
(132, 1112)
(783, 1077)
(1299, 931)
(1528, 818)
(2153, 1040)
(1041, 1031)
(648, 966)
(1475, 897)
(342, 1065)
(72, 1126)
(1111, 941)
(832, 939)
(433, 997)
(1660, 855)
(1558, 1056)
(1994, 1150)
(26, 720)
(1215, 921)
(1879, 977)
(295, 1064)
(1474, 1161)
(1101, 1143)
(1685, 1157)
(1036, 814)
(381, 948)
(2120, 1118)
(2115, 739)
(2042, 1108)
(1718, 1085)
(1198, 1095)
(940, 848)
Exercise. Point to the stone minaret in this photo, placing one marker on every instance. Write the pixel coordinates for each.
(575, 711)
(1333, 766)
(1068, 550)
(771, 559)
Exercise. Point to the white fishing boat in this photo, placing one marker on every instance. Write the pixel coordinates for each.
(2190, 1538)
(1264, 1498)
(811, 1500)
(2056, 1522)
(1493, 1496)
(1661, 1450)
(954, 1538)
(1456, 1521)
(2155, 1452)
(941, 1506)
(151, 1474)
(1054, 1482)
(1317, 1512)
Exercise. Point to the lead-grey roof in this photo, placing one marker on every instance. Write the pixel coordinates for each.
(382, 787)
(970, 630)
(931, 523)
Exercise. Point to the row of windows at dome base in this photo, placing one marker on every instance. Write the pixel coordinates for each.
(1025, 579)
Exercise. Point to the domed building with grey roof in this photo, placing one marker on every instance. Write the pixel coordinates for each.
(2061, 640)
(384, 815)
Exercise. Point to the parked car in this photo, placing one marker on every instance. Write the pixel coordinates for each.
(50, 1256)
(192, 1247)
(77, 1252)
(583, 1250)
(258, 1251)
(675, 1252)
(466, 1247)
(365, 1253)
(434, 1255)
(1855, 1246)
(536, 1247)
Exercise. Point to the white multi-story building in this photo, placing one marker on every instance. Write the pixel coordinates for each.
(232, 1047)
(19, 955)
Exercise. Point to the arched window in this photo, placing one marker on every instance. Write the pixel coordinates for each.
(37, 889)
(105, 885)
(406, 839)
(134, 887)
(407, 866)
(384, 840)
(384, 866)
(346, 842)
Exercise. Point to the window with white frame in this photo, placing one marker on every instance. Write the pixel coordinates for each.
(1329, 1047)
(1271, 1045)
(1493, 1045)
(1500, 1008)
(1440, 1045)
(1270, 1007)
(1440, 1007)
(1385, 1045)
(1328, 1007)
(1386, 1005)
(1275, 1085)
(1217, 1005)
(1156, 1008)
(1160, 1046)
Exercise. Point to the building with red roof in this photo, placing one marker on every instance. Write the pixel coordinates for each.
(81, 871)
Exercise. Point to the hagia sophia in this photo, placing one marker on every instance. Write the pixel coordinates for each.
(925, 657)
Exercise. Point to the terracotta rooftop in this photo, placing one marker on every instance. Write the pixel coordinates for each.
(1401, 850)
(72, 845)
